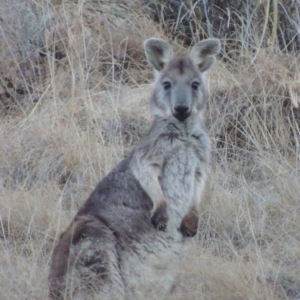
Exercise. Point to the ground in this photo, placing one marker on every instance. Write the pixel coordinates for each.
(74, 93)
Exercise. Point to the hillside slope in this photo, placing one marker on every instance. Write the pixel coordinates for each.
(74, 90)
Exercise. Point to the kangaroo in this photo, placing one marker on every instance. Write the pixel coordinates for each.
(127, 239)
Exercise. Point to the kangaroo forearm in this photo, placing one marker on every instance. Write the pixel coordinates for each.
(147, 174)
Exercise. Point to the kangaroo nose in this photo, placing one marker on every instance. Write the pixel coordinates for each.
(181, 109)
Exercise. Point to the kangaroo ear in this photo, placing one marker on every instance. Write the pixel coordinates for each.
(204, 53)
(158, 52)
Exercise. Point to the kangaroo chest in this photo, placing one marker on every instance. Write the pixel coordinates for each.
(178, 172)
(178, 181)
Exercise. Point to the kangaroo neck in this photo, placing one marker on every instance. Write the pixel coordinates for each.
(186, 128)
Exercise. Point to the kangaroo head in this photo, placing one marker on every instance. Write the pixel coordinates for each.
(180, 89)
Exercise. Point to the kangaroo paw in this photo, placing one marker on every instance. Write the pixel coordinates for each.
(189, 225)
(160, 218)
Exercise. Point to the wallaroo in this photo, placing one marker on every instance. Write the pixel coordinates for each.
(127, 239)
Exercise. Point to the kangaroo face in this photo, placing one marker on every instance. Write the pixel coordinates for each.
(180, 88)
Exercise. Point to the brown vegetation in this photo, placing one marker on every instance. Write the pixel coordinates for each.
(74, 88)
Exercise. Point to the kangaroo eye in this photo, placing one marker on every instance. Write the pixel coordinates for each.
(195, 85)
(166, 85)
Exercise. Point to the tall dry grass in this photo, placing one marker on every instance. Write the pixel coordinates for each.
(91, 108)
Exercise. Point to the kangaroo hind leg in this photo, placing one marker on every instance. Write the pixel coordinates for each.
(85, 262)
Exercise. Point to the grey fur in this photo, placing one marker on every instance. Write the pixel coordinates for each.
(126, 240)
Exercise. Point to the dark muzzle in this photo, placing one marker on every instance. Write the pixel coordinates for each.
(181, 113)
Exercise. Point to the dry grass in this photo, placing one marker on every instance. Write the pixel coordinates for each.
(92, 109)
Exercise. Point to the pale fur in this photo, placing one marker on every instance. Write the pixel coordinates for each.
(126, 240)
